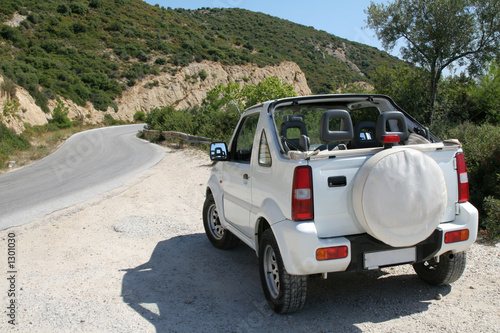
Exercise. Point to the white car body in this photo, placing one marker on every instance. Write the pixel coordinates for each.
(256, 195)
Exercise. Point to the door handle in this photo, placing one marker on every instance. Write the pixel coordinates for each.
(245, 176)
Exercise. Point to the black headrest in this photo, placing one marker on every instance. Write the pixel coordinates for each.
(345, 134)
(382, 123)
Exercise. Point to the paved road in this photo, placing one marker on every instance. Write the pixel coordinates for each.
(87, 164)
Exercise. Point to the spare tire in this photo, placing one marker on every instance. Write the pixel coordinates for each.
(400, 196)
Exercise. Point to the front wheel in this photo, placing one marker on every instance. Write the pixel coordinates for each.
(220, 237)
(285, 293)
(446, 270)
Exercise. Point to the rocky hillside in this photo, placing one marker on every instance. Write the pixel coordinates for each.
(103, 56)
(184, 89)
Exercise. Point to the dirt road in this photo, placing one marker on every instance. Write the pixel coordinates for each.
(136, 260)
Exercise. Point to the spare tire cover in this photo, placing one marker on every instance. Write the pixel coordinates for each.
(400, 196)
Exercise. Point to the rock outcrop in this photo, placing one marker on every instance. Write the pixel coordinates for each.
(186, 88)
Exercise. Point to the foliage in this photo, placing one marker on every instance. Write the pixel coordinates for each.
(438, 33)
(108, 120)
(8, 89)
(10, 109)
(268, 89)
(139, 116)
(89, 50)
(486, 95)
(406, 86)
(60, 116)
(492, 220)
(9, 142)
(221, 109)
(203, 74)
(245, 96)
(482, 154)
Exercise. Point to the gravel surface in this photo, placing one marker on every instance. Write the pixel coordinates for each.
(136, 260)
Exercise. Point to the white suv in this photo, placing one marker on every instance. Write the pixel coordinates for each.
(334, 183)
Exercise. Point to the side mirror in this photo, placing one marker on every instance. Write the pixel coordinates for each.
(218, 151)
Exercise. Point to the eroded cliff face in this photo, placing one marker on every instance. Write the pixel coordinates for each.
(184, 89)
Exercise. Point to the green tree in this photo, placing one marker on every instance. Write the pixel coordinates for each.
(268, 89)
(486, 94)
(60, 116)
(222, 96)
(406, 85)
(438, 33)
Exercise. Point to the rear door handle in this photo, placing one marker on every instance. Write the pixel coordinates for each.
(245, 176)
(337, 181)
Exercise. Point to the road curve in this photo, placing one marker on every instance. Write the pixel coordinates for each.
(87, 164)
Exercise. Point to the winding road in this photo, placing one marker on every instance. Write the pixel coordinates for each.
(87, 164)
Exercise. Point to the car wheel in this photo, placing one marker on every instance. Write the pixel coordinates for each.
(285, 293)
(447, 270)
(219, 236)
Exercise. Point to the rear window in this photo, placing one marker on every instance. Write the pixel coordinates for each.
(300, 126)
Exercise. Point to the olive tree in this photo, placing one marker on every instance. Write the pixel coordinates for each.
(438, 33)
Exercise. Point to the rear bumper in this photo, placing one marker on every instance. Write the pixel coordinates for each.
(298, 243)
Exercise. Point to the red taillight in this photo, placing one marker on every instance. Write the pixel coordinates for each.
(456, 236)
(391, 139)
(302, 194)
(463, 179)
(329, 253)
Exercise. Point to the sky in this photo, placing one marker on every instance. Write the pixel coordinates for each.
(342, 18)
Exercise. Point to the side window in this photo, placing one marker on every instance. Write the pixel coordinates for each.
(244, 140)
(264, 153)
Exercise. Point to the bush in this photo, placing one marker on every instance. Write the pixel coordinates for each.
(110, 121)
(492, 220)
(160, 61)
(60, 116)
(10, 142)
(482, 155)
(139, 116)
(170, 119)
(96, 3)
(78, 8)
(203, 74)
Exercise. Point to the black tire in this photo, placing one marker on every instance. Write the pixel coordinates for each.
(285, 293)
(448, 270)
(218, 236)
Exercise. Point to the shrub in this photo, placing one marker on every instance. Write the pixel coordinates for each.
(492, 220)
(139, 116)
(96, 3)
(8, 88)
(10, 142)
(203, 75)
(63, 9)
(482, 154)
(110, 121)
(160, 61)
(170, 119)
(60, 116)
(78, 8)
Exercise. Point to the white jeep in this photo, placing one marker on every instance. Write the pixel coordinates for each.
(335, 183)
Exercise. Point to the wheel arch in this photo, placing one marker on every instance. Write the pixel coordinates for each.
(269, 214)
(261, 226)
(213, 188)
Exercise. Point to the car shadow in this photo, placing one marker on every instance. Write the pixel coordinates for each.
(189, 285)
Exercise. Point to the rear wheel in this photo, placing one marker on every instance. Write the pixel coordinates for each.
(285, 293)
(447, 270)
(219, 236)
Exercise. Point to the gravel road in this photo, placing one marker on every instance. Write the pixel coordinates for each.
(135, 259)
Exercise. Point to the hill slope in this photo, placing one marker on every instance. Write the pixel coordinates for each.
(94, 50)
